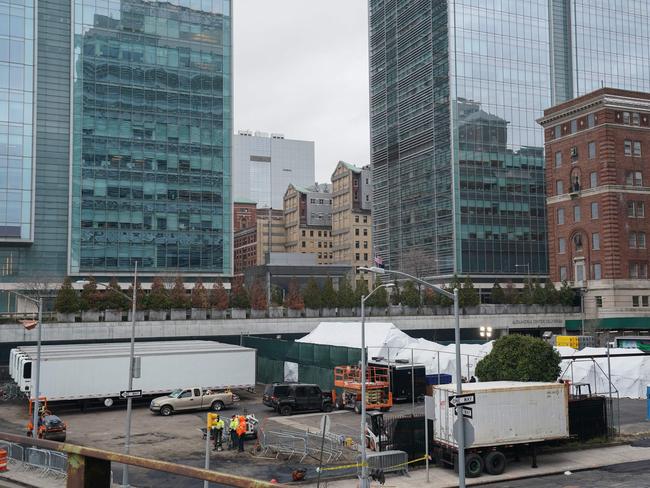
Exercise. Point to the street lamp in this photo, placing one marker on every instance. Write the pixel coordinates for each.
(133, 300)
(459, 384)
(37, 380)
(364, 464)
(485, 332)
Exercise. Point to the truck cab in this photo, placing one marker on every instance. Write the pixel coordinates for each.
(194, 398)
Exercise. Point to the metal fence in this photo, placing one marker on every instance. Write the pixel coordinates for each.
(300, 444)
(43, 461)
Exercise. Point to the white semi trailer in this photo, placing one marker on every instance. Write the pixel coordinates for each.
(500, 415)
(100, 371)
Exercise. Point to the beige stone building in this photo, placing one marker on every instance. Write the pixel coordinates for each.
(351, 217)
(307, 221)
(278, 237)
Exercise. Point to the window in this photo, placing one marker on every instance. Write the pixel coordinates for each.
(636, 119)
(593, 179)
(320, 255)
(320, 244)
(560, 216)
(356, 219)
(576, 214)
(563, 273)
(626, 117)
(559, 187)
(356, 232)
(365, 256)
(637, 148)
(311, 233)
(365, 244)
(304, 233)
(356, 256)
(591, 150)
(591, 120)
(643, 270)
(558, 159)
(595, 241)
(365, 219)
(594, 210)
(320, 233)
(599, 302)
(356, 244)
(627, 145)
(635, 301)
(634, 178)
(574, 126)
(644, 300)
(558, 131)
(634, 270)
(365, 232)
(631, 240)
(597, 272)
(304, 244)
(561, 244)
(635, 209)
(577, 242)
(640, 239)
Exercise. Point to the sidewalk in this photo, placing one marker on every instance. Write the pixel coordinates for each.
(548, 464)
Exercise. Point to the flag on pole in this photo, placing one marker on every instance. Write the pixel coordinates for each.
(379, 262)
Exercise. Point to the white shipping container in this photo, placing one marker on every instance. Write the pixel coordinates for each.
(505, 413)
(93, 371)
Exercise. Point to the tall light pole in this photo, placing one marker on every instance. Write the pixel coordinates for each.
(364, 463)
(129, 401)
(459, 383)
(37, 380)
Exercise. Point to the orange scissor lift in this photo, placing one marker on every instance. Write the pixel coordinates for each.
(348, 380)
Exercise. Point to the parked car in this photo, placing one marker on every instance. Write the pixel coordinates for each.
(287, 398)
(194, 398)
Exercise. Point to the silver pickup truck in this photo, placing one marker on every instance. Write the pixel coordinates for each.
(194, 398)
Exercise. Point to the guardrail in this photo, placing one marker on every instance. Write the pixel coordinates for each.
(88, 467)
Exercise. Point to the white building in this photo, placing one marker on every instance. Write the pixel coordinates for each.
(264, 165)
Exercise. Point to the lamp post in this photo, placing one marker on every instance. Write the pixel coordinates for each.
(364, 464)
(37, 381)
(459, 384)
(133, 300)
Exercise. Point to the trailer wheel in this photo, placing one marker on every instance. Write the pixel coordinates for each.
(166, 410)
(473, 465)
(217, 406)
(495, 462)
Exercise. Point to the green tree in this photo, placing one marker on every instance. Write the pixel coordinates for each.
(430, 298)
(497, 295)
(312, 294)
(468, 294)
(89, 296)
(140, 296)
(552, 295)
(520, 358)
(329, 297)
(258, 296)
(294, 299)
(200, 295)
(158, 298)
(540, 293)
(361, 290)
(510, 294)
(454, 284)
(527, 295)
(345, 297)
(239, 297)
(567, 295)
(277, 295)
(410, 295)
(395, 295)
(219, 296)
(379, 298)
(113, 298)
(66, 299)
(178, 295)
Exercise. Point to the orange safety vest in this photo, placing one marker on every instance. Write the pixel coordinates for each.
(241, 428)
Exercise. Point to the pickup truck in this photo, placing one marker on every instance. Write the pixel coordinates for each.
(194, 398)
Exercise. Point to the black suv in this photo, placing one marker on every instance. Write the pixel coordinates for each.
(287, 398)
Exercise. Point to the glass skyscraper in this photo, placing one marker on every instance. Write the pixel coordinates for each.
(132, 138)
(455, 89)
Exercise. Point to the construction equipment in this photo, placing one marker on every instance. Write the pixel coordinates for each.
(50, 426)
(348, 380)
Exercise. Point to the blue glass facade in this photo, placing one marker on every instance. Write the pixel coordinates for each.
(16, 119)
(152, 137)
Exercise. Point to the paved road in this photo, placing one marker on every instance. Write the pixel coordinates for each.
(628, 475)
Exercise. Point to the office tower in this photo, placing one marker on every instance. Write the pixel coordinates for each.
(597, 200)
(264, 166)
(133, 141)
(455, 89)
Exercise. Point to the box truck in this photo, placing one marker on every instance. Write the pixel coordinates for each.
(499, 416)
(100, 371)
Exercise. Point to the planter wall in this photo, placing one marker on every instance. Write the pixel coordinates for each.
(377, 311)
(328, 312)
(157, 314)
(345, 312)
(199, 314)
(395, 309)
(139, 315)
(294, 314)
(90, 316)
(410, 310)
(258, 314)
(276, 312)
(237, 313)
(178, 314)
(65, 317)
(312, 312)
(112, 316)
(217, 314)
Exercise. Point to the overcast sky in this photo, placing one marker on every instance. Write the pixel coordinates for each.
(301, 69)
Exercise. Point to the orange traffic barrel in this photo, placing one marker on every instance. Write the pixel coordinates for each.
(3, 460)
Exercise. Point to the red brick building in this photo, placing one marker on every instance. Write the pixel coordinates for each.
(598, 195)
(245, 235)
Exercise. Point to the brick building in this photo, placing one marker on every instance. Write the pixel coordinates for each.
(598, 193)
(351, 217)
(244, 214)
(245, 235)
